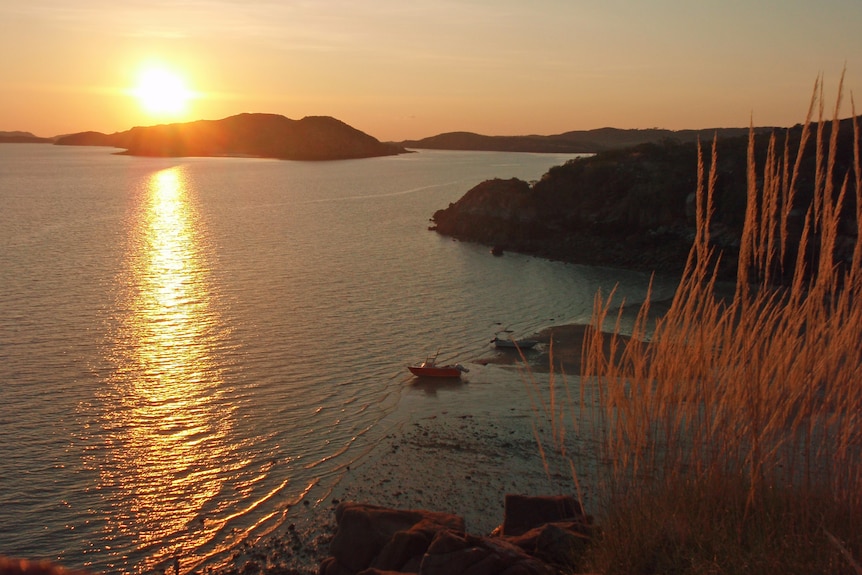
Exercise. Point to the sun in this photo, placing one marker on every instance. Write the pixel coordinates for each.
(161, 92)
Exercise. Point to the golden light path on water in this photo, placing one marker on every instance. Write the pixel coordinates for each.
(167, 422)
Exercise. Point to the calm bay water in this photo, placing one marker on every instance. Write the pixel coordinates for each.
(191, 347)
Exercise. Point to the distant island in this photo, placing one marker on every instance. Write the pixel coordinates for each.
(326, 138)
(22, 138)
(256, 135)
(574, 142)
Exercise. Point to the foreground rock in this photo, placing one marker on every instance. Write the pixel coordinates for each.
(539, 536)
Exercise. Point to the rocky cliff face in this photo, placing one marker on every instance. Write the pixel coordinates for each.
(634, 207)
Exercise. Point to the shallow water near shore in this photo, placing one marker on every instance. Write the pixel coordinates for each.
(191, 350)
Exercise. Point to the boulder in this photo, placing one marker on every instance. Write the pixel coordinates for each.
(562, 543)
(545, 534)
(455, 554)
(369, 536)
(523, 513)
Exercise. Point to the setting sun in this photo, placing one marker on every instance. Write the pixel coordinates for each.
(162, 92)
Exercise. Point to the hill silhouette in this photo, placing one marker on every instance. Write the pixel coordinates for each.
(22, 138)
(258, 135)
(574, 142)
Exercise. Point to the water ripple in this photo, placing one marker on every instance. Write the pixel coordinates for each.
(190, 349)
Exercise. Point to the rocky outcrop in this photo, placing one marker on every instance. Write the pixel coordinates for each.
(258, 135)
(494, 212)
(624, 209)
(540, 536)
(386, 539)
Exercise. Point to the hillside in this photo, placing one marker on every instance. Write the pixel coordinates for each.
(22, 138)
(258, 135)
(574, 142)
(633, 207)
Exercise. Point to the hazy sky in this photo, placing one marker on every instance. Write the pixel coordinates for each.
(401, 69)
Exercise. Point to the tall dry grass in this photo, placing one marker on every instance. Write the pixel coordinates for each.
(732, 427)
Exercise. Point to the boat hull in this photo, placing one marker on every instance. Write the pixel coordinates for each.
(441, 371)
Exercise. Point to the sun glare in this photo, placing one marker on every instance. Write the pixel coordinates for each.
(162, 92)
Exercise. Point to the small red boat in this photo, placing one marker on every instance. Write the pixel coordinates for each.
(429, 368)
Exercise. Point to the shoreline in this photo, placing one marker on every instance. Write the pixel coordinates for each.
(458, 446)
(454, 446)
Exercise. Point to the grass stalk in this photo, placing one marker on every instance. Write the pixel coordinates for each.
(732, 430)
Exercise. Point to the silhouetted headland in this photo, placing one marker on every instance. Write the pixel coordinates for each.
(256, 135)
(635, 207)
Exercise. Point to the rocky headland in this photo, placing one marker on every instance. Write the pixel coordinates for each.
(635, 207)
(256, 135)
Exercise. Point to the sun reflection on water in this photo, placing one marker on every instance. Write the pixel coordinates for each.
(165, 418)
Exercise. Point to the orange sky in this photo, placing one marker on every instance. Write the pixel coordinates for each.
(407, 70)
